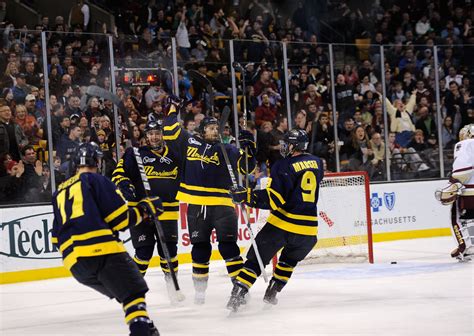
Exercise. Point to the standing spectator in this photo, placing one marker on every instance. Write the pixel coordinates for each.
(400, 119)
(454, 101)
(345, 103)
(20, 90)
(12, 138)
(79, 15)
(32, 175)
(277, 135)
(448, 133)
(427, 124)
(68, 144)
(266, 111)
(182, 37)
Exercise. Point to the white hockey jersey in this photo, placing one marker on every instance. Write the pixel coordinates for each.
(463, 165)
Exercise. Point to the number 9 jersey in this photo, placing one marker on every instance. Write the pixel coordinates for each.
(292, 194)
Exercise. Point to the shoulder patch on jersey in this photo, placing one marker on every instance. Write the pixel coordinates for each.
(193, 141)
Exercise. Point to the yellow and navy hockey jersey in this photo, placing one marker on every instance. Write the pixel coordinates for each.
(162, 172)
(292, 194)
(88, 212)
(205, 179)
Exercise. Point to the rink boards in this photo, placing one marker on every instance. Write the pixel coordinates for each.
(401, 210)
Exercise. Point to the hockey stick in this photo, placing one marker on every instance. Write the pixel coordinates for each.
(223, 121)
(159, 229)
(206, 84)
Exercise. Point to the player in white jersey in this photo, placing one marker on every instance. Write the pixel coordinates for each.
(460, 193)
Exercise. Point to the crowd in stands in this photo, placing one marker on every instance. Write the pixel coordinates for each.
(142, 38)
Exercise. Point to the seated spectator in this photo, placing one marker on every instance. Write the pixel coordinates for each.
(359, 151)
(265, 112)
(400, 119)
(366, 85)
(28, 124)
(10, 178)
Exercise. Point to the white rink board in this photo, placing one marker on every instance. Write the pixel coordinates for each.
(25, 237)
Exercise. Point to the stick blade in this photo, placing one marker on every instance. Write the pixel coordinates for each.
(224, 118)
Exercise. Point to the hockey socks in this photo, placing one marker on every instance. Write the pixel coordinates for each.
(200, 278)
(141, 264)
(164, 265)
(234, 265)
(137, 318)
(246, 278)
(283, 272)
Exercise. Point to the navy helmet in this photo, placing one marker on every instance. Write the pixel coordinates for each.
(153, 125)
(297, 138)
(87, 155)
(206, 122)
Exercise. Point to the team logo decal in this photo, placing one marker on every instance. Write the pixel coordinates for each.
(389, 199)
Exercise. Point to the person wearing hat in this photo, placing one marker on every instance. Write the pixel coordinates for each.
(20, 90)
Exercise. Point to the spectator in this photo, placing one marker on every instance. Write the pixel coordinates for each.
(266, 111)
(32, 176)
(20, 89)
(277, 135)
(358, 151)
(12, 138)
(79, 15)
(10, 179)
(400, 119)
(345, 94)
(68, 144)
(28, 124)
(448, 133)
(427, 124)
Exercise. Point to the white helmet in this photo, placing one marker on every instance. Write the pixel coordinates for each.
(467, 132)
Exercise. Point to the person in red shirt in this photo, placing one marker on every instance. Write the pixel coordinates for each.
(265, 112)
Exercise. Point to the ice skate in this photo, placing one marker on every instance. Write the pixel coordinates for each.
(153, 330)
(270, 294)
(237, 297)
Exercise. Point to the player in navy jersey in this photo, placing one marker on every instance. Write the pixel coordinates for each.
(162, 165)
(292, 196)
(89, 212)
(205, 187)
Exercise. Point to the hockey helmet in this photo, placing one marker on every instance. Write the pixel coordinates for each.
(467, 132)
(296, 139)
(206, 122)
(87, 155)
(153, 125)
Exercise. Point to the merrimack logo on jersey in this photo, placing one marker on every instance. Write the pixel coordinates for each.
(151, 173)
(193, 155)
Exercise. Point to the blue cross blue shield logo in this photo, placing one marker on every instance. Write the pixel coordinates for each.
(389, 199)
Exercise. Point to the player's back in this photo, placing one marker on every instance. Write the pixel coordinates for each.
(87, 211)
(296, 180)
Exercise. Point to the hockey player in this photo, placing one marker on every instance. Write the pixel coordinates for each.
(162, 165)
(292, 196)
(88, 213)
(460, 193)
(205, 187)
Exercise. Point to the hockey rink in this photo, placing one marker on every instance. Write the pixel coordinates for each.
(424, 293)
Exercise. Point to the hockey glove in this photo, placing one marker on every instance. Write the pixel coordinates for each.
(247, 141)
(127, 189)
(240, 194)
(151, 205)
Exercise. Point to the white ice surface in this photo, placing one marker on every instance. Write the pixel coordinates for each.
(425, 293)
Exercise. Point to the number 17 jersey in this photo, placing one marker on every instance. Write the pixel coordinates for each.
(292, 194)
